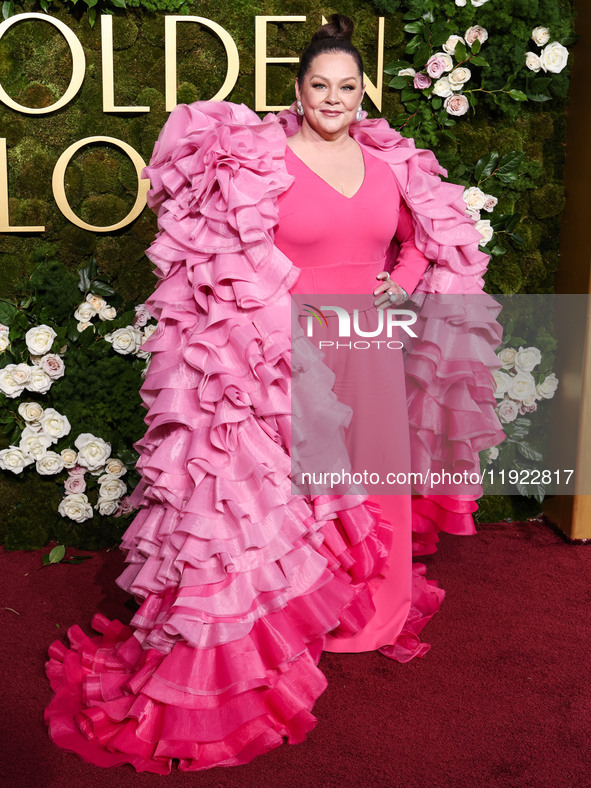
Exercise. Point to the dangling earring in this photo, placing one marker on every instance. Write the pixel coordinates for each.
(358, 115)
(300, 109)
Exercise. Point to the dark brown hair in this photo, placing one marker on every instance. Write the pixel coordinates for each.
(335, 36)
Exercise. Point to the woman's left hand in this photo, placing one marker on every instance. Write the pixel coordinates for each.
(389, 293)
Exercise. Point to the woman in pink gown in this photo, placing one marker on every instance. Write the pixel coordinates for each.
(242, 582)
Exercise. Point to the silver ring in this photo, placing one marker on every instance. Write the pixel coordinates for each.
(392, 297)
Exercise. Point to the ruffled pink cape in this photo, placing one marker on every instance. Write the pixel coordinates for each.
(239, 580)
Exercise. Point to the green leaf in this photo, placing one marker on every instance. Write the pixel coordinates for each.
(539, 97)
(56, 555)
(411, 15)
(437, 102)
(478, 61)
(92, 16)
(485, 166)
(518, 95)
(517, 239)
(510, 162)
(83, 279)
(460, 52)
(399, 83)
(396, 66)
(100, 288)
(476, 46)
(414, 27)
(408, 94)
(498, 250)
(421, 55)
(529, 452)
(119, 3)
(45, 559)
(7, 312)
(414, 43)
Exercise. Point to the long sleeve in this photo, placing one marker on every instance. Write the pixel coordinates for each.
(411, 264)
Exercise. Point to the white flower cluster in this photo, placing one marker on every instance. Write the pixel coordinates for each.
(516, 387)
(93, 305)
(93, 456)
(476, 200)
(475, 3)
(37, 377)
(43, 428)
(129, 340)
(449, 80)
(552, 58)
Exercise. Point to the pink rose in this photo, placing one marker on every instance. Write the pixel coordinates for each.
(141, 316)
(528, 409)
(436, 65)
(52, 365)
(491, 203)
(475, 32)
(421, 81)
(124, 506)
(77, 470)
(75, 484)
(456, 104)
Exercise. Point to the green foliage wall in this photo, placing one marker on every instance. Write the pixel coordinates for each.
(35, 67)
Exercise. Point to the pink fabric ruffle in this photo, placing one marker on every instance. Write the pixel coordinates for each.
(238, 577)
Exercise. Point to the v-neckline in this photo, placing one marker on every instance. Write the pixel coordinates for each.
(330, 186)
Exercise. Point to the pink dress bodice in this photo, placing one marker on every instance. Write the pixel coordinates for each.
(340, 243)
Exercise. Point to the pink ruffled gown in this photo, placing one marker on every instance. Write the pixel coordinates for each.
(240, 580)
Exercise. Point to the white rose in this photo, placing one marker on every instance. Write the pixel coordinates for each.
(54, 424)
(70, 457)
(125, 340)
(554, 57)
(93, 452)
(39, 339)
(115, 467)
(442, 88)
(501, 381)
(540, 35)
(49, 464)
(474, 198)
(533, 62)
(529, 401)
(30, 411)
(478, 3)
(547, 388)
(527, 358)
(507, 411)
(14, 459)
(21, 374)
(149, 330)
(451, 43)
(4, 329)
(476, 32)
(106, 508)
(107, 312)
(474, 215)
(491, 203)
(76, 507)
(4, 340)
(34, 443)
(458, 77)
(460, 3)
(96, 302)
(507, 357)
(111, 488)
(53, 365)
(407, 72)
(492, 454)
(85, 312)
(8, 385)
(456, 104)
(486, 231)
(521, 385)
(39, 382)
(82, 326)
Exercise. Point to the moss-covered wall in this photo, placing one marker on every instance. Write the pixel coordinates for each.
(35, 67)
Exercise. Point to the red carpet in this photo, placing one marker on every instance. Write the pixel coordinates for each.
(502, 699)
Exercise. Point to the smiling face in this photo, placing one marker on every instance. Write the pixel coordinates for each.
(330, 93)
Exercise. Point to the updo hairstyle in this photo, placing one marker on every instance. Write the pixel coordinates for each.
(334, 36)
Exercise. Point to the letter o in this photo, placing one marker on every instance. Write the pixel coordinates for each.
(59, 190)
(78, 64)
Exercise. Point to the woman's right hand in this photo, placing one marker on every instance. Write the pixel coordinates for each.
(389, 292)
